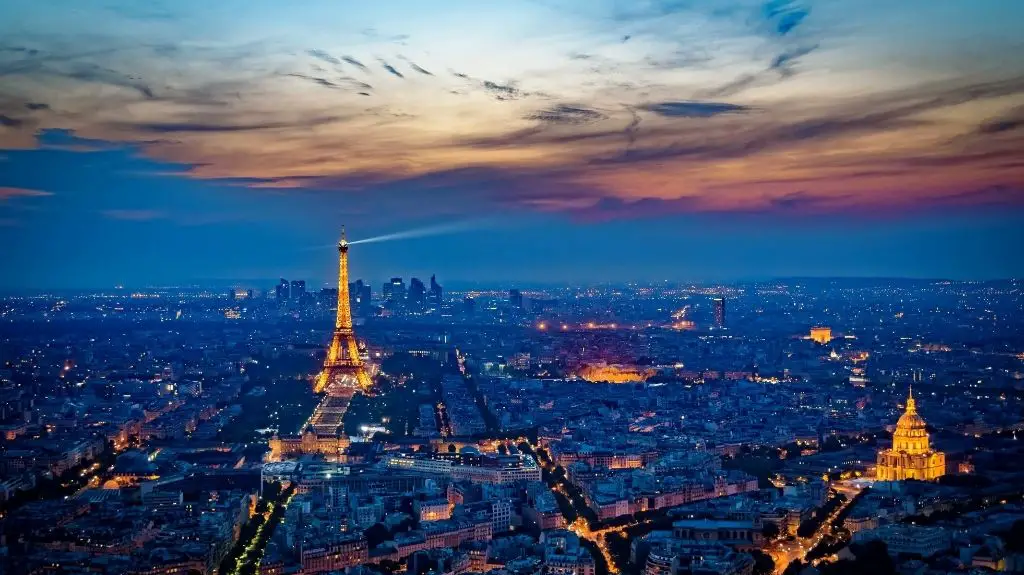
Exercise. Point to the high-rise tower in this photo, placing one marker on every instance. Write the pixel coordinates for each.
(343, 371)
(719, 312)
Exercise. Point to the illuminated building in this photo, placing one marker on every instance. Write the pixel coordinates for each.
(298, 290)
(327, 298)
(911, 456)
(361, 294)
(433, 509)
(563, 554)
(436, 293)
(600, 372)
(719, 312)
(741, 530)
(858, 378)
(332, 447)
(323, 434)
(348, 550)
(343, 371)
(394, 291)
(477, 469)
(282, 291)
(660, 562)
(821, 335)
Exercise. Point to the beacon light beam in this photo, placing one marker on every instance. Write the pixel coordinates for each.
(436, 230)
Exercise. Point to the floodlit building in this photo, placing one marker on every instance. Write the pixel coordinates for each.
(911, 455)
(821, 335)
(719, 312)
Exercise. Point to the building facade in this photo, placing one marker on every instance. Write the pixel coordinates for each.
(911, 455)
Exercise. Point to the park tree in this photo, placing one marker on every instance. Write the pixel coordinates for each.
(763, 563)
(376, 534)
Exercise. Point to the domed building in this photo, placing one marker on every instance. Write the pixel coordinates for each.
(911, 455)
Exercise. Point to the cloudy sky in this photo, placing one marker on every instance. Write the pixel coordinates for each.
(581, 140)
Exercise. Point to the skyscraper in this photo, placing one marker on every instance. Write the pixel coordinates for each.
(298, 290)
(282, 292)
(436, 293)
(328, 298)
(417, 297)
(515, 298)
(719, 312)
(360, 294)
(394, 291)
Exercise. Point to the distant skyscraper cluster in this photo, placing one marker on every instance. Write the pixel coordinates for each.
(293, 292)
(394, 295)
(418, 297)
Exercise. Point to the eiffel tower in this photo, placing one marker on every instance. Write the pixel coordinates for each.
(343, 372)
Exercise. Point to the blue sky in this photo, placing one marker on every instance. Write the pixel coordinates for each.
(177, 142)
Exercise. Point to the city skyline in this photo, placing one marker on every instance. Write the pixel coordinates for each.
(645, 140)
(541, 287)
(608, 260)
(740, 429)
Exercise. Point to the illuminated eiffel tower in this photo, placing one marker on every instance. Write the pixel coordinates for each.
(343, 372)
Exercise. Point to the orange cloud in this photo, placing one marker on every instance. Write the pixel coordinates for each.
(7, 193)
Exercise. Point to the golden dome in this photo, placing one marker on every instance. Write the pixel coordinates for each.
(911, 435)
(911, 456)
(910, 423)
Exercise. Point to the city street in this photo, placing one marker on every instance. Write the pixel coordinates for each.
(785, 552)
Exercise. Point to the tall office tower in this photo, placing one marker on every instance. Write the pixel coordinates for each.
(298, 290)
(360, 292)
(282, 291)
(366, 297)
(343, 371)
(468, 306)
(394, 291)
(355, 291)
(719, 312)
(328, 298)
(417, 294)
(515, 298)
(436, 293)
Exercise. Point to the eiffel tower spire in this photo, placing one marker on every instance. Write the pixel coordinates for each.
(343, 371)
